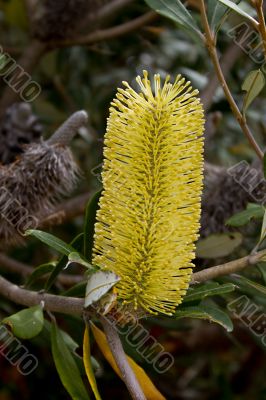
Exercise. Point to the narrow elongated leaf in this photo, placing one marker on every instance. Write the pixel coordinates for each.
(88, 364)
(239, 10)
(253, 85)
(51, 241)
(69, 341)
(177, 12)
(263, 228)
(39, 272)
(262, 268)
(218, 245)
(98, 285)
(77, 258)
(216, 11)
(27, 323)
(246, 285)
(211, 313)
(76, 245)
(146, 384)
(243, 217)
(206, 290)
(90, 219)
(66, 366)
(72, 346)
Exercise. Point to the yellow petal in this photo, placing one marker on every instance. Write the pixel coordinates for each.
(146, 384)
(87, 364)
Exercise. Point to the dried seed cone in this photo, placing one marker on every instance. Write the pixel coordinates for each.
(149, 212)
(227, 192)
(32, 186)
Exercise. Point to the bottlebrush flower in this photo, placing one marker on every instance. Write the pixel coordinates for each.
(148, 219)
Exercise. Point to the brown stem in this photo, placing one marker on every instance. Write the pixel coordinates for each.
(71, 305)
(107, 34)
(233, 52)
(61, 304)
(119, 355)
(104, 14)
(261, 27)
(24, 270)
(210, 43)
(66, 211)
(227, 268)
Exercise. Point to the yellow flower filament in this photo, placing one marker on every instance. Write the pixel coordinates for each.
(149, 212)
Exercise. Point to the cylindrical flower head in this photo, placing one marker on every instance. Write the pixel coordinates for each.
(148, 219)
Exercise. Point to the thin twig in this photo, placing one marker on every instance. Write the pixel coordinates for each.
(231, 55)
(119, 355)
(210, 44)
(227, 268)
(107, 34)
(261, 27)
(104, 14)
(72, 305)
(36, 49)
(10, 265)
(111, 9)
(66, 211)
(54, 303)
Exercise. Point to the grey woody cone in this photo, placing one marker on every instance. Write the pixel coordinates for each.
(227, 192)
(34, 184)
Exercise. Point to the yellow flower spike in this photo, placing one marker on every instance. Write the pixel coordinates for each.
(148, 219)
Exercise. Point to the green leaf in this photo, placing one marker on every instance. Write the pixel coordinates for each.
(264, 163)
(263, 228)
(77, 290)
(51, 241)
(262, 268)
(216, 11)
(98, 285)
(66, 366)
(69, 341)
(27, 323)
(243, 217)
(72, 346)
(90, 219)
(217, 14)
(211, 313)
(207, 289)
(246, 285)
(39, 272)
(3, 61)
(177, 12)
(76, 245)
(239, 10)
(253, 85)
(218, 245)
(77, 258)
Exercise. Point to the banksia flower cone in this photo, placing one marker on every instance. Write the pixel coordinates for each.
(148, 218)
